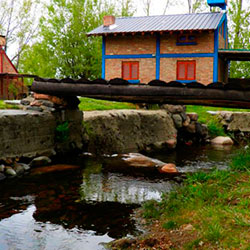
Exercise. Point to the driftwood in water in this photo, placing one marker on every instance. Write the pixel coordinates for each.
(149, 94)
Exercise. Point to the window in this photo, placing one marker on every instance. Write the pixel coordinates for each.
(186, 39)
(186, 70)
(130, 70)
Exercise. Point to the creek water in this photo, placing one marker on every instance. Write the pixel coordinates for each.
(89, 205)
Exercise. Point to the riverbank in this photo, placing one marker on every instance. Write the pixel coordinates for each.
(210, 211)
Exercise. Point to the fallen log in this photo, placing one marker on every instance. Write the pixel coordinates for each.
(149, 94)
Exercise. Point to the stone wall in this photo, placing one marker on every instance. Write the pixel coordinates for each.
(122, 131)
(29, 133)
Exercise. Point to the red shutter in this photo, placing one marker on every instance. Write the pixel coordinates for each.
(186, 70)
(130, 70)
(125, 70)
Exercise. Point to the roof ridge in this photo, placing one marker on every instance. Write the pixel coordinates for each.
(169, 15)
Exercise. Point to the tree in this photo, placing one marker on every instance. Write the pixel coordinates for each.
(239, 36)
(197, 6)
(63, 48)
(18, 23)
(147, 6)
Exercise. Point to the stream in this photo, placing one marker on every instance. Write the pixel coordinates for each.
(88, 205)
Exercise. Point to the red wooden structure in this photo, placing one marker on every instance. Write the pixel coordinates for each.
(11, 83)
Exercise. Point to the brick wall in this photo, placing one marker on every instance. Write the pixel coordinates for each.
(204, 69)
(146, 68)
(129, 45)
(205, 44)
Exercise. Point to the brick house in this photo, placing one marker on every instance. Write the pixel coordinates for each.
(11, 83)
(181, 47)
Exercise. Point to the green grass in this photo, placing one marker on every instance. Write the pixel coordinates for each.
(217, 204)
(89, 104)
(3, 105)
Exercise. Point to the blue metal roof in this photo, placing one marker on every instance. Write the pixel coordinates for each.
(180, 22)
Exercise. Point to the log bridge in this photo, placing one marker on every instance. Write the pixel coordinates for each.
(234, 94)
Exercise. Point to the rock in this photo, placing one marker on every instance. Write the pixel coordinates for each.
(8, 161)
(183, 116)
(198, 128)
(2, 176)
(222, 140)
(58, 101)
(123, 243)
(168, 168)
(186, 122)
(187, 227)
(19, 169)
(204, 130)
(171, 143)
(35, 108)
(26, 167)
(41, 96)
(177, 120)
(139, 160)
(191, 128)
(47, 109)
(10, 171)
(53, 168)
(36, 103)
(40, 161)
(193, 116)
(174, 109)
(47, 103)
(2, 167)
(25, 102)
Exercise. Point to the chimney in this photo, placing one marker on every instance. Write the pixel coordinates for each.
(2, 41)
(108, 20)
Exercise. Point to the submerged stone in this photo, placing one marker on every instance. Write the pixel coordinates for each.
(168, 168)
(53, 168)
(222, 140)
(40, 161)
(10, 171)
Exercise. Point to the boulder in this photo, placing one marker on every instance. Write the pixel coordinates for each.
(40, 161)
(193, 116)
(139, 160)
(41, 96)
(177, 120)
(222, 140)
(18, 169)
(191, 128)
(171, 143)
(186, 122)
(168, 168)
(174, 109)
(10, 171)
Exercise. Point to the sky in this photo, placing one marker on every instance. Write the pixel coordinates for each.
(157, 7)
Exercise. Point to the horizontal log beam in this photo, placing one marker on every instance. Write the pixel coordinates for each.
(148, 94)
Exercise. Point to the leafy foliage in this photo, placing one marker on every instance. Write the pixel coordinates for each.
(62, 132)
(63, 48)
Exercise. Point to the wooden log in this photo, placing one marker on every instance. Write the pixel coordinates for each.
(148, 94)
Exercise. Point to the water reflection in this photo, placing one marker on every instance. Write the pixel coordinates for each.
(21, 231)
(82, 207)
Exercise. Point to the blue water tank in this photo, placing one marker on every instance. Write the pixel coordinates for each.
(217, 3)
